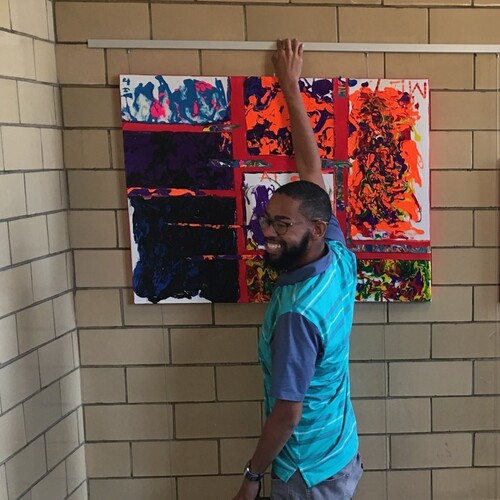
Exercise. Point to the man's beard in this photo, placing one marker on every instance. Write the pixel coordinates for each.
(290, 257)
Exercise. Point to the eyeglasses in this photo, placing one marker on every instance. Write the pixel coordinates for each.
(280, 226)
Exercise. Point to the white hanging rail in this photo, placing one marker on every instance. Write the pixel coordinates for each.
(310, 46)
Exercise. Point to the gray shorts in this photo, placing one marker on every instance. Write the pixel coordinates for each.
(340, 486)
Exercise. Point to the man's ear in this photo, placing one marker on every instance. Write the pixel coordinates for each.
(319, 229)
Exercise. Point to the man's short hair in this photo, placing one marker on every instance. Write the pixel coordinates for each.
(315, 203)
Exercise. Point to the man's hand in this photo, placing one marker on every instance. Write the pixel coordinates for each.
(248, 491)
(287, 61)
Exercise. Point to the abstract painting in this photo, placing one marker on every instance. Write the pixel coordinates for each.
(203, 156)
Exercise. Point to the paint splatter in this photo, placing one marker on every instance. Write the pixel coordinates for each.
(268, 121)
(260, 280)
(386, 165)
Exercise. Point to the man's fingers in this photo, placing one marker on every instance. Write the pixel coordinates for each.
(301, 49)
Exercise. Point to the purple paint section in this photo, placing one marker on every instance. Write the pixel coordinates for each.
(177, 159)
(261, 195)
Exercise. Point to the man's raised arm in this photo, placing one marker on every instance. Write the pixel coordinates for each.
(288, 65)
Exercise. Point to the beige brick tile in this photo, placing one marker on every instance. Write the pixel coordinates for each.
(123, 229)
(363, 24)
(408, 415)
(102, 268)
(487, 376)
(43, 192)
(5, 19)
(206, 420)
(25, 158)
(117, 158)
(242, 314)
(58, 232)
(9, 103)
(123, 346)
(28, 238)
(45, 61)
(3, 480)
(64, 315)
(486, 305)
(450, 150)
(448, 304)
(444, 71)
(466, 414)
(97, 189)
(214, 345)
(81, 430)
(56, 359)
(151, 62)
(486, 449)
(27, 467)
(465, 483)
(62, 439)
(134, 315)
(107, 459)
(234, 453)
(486, 225)
(77, 64)
(16, 291)
(71, 392)
(42, 411)
(175, 458)
(34, 23)
(371, 415)
(451, 228)
(197, 22)
(368, 379)
(468, 340)
(486, 71)
(5, 258)
(49, 277)
(91, 107)
(234, 62)
(79, 21)
(75, 467)
(16, 56)
(92, 228)
(373, 486)
(51, 486)
(98, 308)
(86, 149)
(367, 342)
(162, 384)
(8, 339)
(449, 269)
(52, 149)
(131, 489)
(410, 485)
(370, 313)
(36, 103)
(12, 433)
(103, 385)
(239, 382)
(463, 110)
(13, 200)
(485, 149)
(430, 378)
(464, 26)
(181, 314)
(306, 23)
(19, 380)
(35, 326)
(208, 488)
(128, 422)
(431, 450)
(375, 452)
(81, 493)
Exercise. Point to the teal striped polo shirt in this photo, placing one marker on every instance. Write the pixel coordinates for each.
(304, 354)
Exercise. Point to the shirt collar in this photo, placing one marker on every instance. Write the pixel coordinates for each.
(307, 271)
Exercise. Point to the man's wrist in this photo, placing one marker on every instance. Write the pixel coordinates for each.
(250, 475)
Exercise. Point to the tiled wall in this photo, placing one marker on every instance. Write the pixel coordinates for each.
(172, 393)
(41, 419)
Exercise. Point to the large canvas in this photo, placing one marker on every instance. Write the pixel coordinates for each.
(203, 155)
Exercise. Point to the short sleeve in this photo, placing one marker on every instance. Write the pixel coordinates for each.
(333, 231)
(295, 347)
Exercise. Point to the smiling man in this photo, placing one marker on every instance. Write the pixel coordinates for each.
(310, 434)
